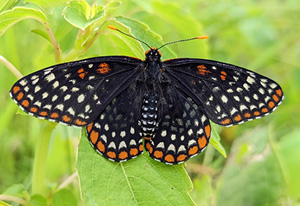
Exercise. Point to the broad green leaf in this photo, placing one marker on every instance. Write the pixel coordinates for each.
(170, 21)
(140, 181)
(115, 43)
(81, 15)
(64, 197)
(144, 33)
(11, 17)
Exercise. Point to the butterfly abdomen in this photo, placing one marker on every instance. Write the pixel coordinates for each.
(149, 115)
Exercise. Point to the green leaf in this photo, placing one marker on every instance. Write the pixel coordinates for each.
(289, 156)
(144, 33)
(48, 3)
(17, 190)
(215, 142)
(81, 15)
(38, 200)
(64, 197)
(43, 34)
(251, 177)
(141, 181)
(11, 17)
(173, 23)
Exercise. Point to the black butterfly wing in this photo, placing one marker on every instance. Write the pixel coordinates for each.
(227, 94)
(115, 134)
(183, 130)
(75, 93)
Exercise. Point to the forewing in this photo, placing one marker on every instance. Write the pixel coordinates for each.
(75, 93)
(183, 130)
(115, 134)
(226, 93)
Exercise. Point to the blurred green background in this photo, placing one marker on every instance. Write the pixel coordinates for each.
(263, 156)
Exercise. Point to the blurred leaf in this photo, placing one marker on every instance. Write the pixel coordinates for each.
(11, 17)
(255, 176)
(111, 6)
(17, 190)
(215, 142)
(81, 15)
(38, 200)
(289, 156)
(48, 3)
(42, 33)
(141, 181)
(203, 192)
(64, 197)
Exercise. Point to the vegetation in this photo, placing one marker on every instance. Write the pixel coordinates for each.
(43, 163)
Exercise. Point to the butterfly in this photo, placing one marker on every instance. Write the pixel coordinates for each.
(165, 107)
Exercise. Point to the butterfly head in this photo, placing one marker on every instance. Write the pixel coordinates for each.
(153, 54)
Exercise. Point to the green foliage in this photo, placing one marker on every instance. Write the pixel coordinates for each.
(140, 181)
(37, 158)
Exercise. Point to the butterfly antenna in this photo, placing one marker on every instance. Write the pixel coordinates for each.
(114, 28)
(198, 37)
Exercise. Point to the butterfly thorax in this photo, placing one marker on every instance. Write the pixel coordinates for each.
(152, 65)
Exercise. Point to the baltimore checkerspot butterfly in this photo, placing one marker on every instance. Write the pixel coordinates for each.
(127, 104)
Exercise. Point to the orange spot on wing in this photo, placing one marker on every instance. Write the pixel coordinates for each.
(133, 151)
(101, 147)
(103, 68)
(275, 98)
(66, 118)
(271, 104)
(147, 138)
(247, 115)
(193, 150)
(207, 130)
(25, 103)
(202, 142)
(149, 147)
(169, 158)
(279, 92)
(16, 89)
(81, 73)
(43, 113)
(112, 155)
(226, 121)
(223, 75)
(264, 110)
(237, 118)
(141, 148)
(181, 158)
(123, 155)
(34, 109)
(54, 115)
(202, 70)
(256, 113)
(89, 127)
(94, 136)
(80, 122)
(20, 96)
(158, 154)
